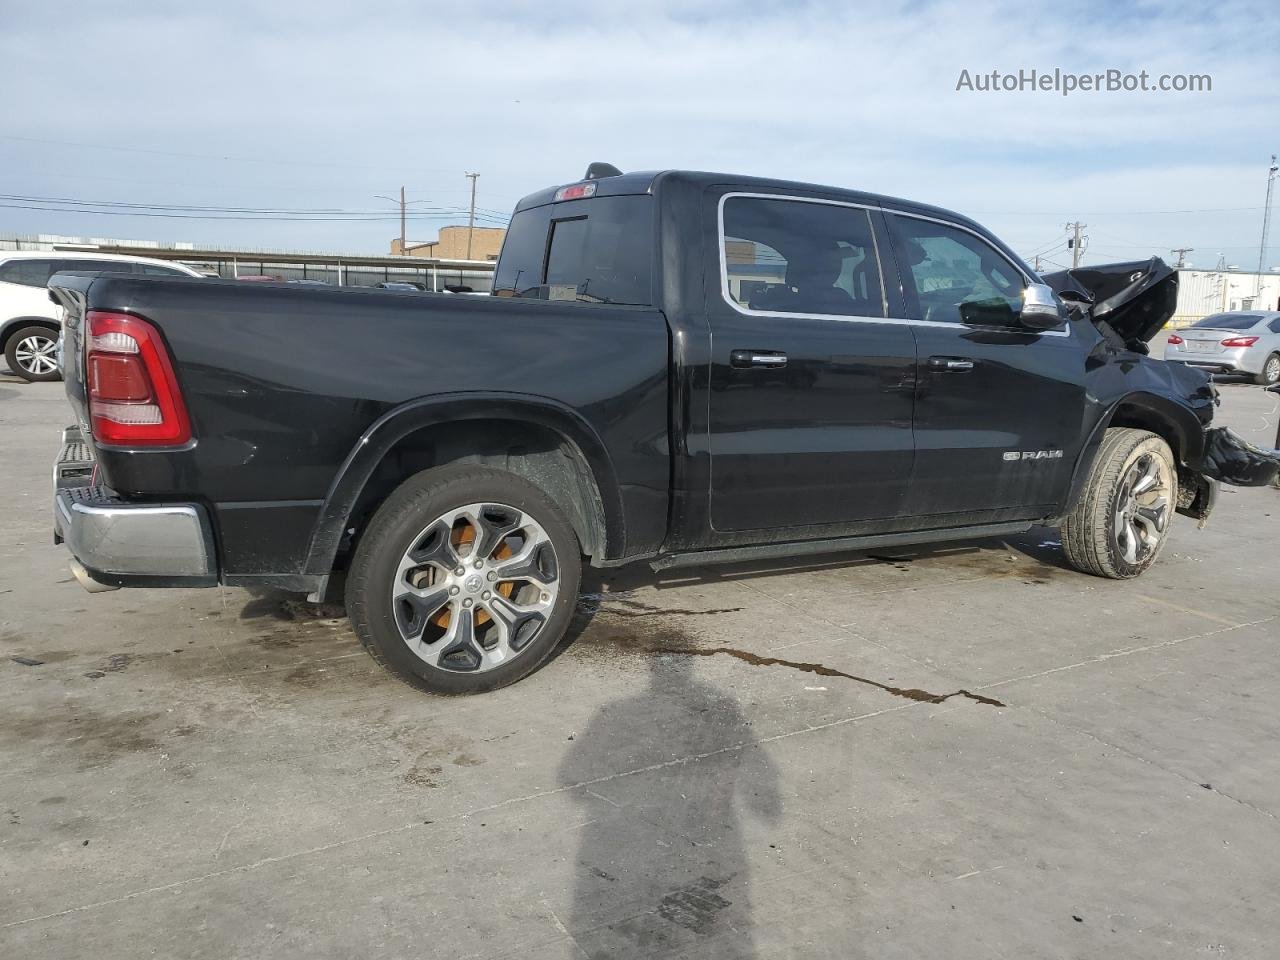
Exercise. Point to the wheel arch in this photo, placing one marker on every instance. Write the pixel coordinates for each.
(11, 326)
(534, 437)
(1172, 422)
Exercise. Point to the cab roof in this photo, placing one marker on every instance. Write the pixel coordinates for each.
(648, 181)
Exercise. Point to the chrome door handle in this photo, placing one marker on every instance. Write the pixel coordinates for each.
(950, 364)
(757, 358)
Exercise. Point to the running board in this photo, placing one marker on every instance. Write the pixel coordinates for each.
(800, 548)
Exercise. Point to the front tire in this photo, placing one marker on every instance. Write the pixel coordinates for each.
(1121, 521)
(1270, 371)
(465, 580)
(31, 353)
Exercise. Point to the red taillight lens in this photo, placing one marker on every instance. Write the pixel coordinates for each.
(1174, 338)
(576, 192)
(133, 394)
(1239, 341)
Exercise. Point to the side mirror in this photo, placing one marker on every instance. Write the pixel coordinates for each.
(1039, 308)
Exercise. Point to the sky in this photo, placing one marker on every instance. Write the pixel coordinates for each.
(300, 115)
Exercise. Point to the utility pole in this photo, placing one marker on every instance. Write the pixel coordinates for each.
(1181, 253)
(1073, 244)
(1266, 223)
(1037, 266)
(471, 218)
(380, 196)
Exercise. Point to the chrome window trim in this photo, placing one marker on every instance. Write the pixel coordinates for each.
(748, 312)
(886, 319)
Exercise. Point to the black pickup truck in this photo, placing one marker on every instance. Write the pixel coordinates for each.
(675, 367)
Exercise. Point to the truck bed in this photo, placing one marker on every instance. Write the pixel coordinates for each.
(283, 383)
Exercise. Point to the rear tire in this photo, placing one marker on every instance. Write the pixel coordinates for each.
(1270, 371)
(30, 353)
(465, 580)
(1121, 521)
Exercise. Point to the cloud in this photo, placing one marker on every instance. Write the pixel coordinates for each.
(328, 104)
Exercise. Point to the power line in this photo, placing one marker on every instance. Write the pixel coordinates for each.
(269, 218)
(223, 212)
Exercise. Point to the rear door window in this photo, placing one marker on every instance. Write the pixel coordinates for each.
(598, 250)
(789, 256)
(30, 272)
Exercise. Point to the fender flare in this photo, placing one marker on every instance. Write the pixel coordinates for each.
(1183, 422)
(397, 423)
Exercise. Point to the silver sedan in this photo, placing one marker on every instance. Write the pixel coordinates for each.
(1246, 341)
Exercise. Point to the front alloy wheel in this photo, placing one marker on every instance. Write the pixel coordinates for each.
(1120, 522)
(1142, 508)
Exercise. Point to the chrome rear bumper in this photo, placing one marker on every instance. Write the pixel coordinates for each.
(120, 543)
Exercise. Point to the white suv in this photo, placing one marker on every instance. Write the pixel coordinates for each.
(29, 324)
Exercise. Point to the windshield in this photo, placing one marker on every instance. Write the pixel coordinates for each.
(1229, 321)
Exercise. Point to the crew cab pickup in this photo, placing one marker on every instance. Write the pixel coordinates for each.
(675, 367)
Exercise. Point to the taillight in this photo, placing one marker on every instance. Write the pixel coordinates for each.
(133, 394)
(1174, 338)
(1239, 341)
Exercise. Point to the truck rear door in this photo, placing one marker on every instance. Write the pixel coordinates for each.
(812, 368)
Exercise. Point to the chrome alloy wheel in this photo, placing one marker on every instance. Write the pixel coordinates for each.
(1142, 508)
(1271, 372)
(37, 355)
(475, 587)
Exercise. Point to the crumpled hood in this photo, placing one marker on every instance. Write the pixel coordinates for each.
(1135, 299)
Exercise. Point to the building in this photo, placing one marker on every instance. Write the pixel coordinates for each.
(451, 244)
(1204, 292)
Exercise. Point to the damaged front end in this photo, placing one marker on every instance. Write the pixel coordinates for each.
(1129, 304)
(1232, 459)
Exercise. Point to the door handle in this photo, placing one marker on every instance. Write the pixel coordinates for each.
(757, 358)
(951, 364)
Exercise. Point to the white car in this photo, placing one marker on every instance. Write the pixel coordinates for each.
(29, 324)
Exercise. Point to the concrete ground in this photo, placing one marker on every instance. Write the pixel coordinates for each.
(214, 774)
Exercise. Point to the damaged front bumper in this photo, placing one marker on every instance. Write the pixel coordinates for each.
(1227, 458)
(1232, 459)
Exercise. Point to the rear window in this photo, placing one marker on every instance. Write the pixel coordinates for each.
(586, 251)
(1230, 321)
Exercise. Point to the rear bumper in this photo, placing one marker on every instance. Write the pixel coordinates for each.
(130, 544)
(1232, 361)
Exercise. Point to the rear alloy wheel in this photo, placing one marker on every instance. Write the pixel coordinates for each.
(1270, 371)
(32, 353)
(1121, 522)
(465, 581)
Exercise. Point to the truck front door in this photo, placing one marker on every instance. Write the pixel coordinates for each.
(999, 408)
(812, 374)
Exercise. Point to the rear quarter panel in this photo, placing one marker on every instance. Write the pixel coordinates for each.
(281, 381)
